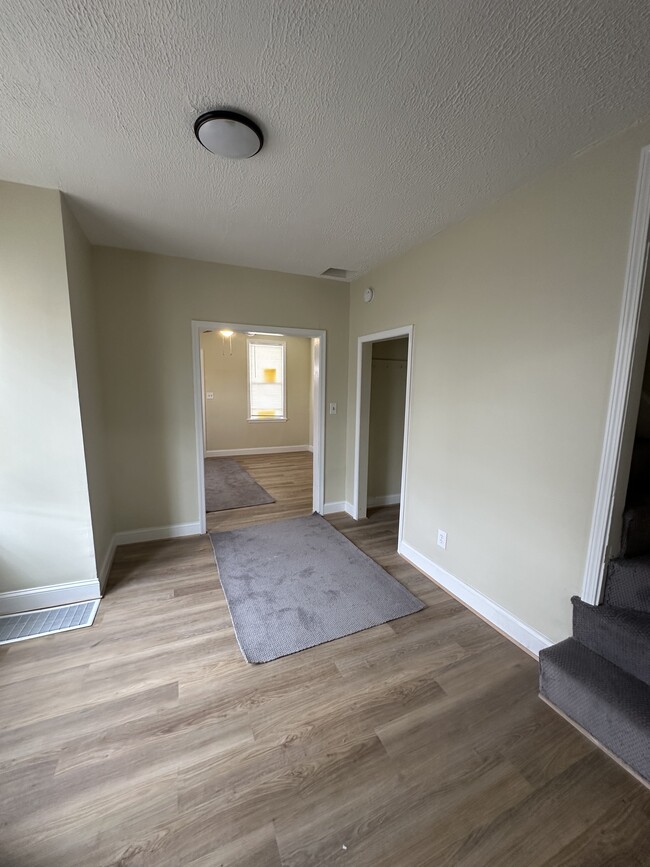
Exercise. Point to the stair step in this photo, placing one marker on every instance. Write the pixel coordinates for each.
(606, 701)
(620, 635)
(635, 534)
(628, 583)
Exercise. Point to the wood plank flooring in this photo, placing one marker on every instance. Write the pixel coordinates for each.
(287, 477)
(148, 740)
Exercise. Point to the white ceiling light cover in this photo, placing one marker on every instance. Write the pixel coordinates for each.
(229, 134)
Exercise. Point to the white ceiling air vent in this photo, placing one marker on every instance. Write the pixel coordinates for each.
(337, 274)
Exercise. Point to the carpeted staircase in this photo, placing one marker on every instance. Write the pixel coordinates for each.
(600, 678)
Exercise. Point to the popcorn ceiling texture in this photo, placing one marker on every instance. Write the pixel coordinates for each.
(384, 121)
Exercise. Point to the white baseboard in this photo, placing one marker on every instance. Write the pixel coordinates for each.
(332, 508)
(17, 601)
(107, 562)
(151, 534)
(271, 450)
(503, 620)
(385, 500)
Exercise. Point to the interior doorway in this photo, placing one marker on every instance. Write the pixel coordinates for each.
(382, 420)
(260, 358)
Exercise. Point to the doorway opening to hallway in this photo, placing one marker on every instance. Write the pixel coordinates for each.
(259, 418)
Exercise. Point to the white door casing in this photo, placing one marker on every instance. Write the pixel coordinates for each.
(318, 409)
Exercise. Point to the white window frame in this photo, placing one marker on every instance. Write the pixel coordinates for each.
(277, 342)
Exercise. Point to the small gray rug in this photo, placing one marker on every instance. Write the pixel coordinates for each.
(297, 583)
(229, 486)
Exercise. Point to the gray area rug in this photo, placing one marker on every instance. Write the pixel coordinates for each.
(297, 583)
(229, 486)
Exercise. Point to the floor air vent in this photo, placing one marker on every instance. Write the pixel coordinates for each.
(18, 627)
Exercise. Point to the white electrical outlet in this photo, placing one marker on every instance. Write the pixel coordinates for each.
(332, 409)
(209, 395)
(442, 538)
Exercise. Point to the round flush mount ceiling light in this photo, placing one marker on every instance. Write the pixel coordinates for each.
(229, 134)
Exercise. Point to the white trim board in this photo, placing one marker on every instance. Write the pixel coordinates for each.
(626, 345)
(341, 506)
(270, 450)
(151, 534)
(19, 601)
(319, 384)
(385, 500)
(500, 618)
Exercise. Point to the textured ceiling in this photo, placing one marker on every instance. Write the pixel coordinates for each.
(384, 120)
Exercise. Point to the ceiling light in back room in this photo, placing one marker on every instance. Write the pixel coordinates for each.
(229, 134)
(226, 334)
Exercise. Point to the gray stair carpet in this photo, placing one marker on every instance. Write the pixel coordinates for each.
(618, 634)
(635, 534)
(628, 583)
(609, 703)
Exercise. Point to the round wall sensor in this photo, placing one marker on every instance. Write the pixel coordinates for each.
(368, 294)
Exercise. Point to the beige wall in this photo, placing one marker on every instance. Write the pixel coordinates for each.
(515, 311)
(146, 305)
(45, 524)
(516, 314)
(78, 254)
(386, 429)
(227, 413)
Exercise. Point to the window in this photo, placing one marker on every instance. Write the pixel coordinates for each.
(266, 386)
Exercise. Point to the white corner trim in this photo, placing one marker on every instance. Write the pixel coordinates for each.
(270, 450)
(341, 506)
(618, 398)
(385, 500)
(151, 534)
(107, 562)
(502, 619)
(18, 601)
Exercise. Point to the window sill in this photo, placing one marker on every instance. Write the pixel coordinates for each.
(274, 418)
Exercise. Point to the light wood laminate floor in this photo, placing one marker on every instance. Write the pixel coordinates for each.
(147, 740)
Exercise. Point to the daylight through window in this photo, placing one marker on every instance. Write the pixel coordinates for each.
(266, 380)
